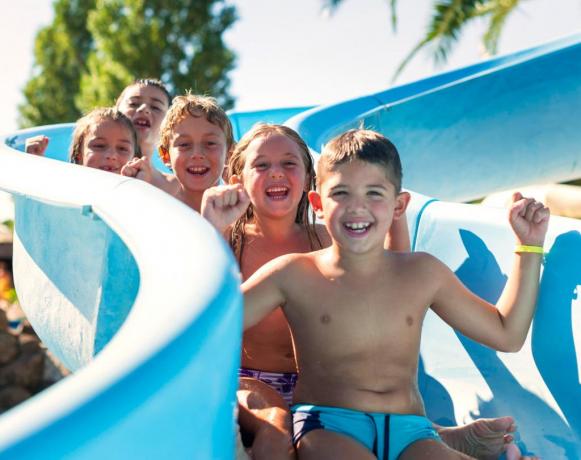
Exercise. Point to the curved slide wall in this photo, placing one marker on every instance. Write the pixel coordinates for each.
(93, 251)
(513, 120)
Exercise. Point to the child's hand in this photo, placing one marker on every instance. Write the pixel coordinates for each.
(36, 145)
(223, 204)
(140, 168)
(529, 219)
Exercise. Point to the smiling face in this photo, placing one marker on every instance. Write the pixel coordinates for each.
(197, 151)
(358, 203)
(145, 106)
(107, 145)
(274, 175)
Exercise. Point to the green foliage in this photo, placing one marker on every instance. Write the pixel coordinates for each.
(9, 223)
(60, 52)
(116, 41)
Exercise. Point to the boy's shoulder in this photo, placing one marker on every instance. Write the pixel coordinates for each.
(418, 262)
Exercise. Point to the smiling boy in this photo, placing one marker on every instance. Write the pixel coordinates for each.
(356, 309)
(196, 137)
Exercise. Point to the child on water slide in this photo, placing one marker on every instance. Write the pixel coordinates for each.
(276, 169)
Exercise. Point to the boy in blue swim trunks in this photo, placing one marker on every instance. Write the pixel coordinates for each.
(356, 309)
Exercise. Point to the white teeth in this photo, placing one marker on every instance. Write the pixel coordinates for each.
(197, 169)
(277, 189)
(357, 225)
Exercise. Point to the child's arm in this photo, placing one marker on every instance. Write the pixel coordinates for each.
(141, 168)
(263, 291)
(505, 327)
(36, 145)
(223, 205)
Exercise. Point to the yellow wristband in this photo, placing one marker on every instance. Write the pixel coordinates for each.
(525, 248)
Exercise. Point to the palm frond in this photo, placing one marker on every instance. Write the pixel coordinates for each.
(393, 9)
(497, 21)
(331, 6)
(448, 21)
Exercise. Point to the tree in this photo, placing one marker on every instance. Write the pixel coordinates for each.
(178, 41)
(448, 20)
(60, 53)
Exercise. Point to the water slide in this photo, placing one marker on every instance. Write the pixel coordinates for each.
(139, 296)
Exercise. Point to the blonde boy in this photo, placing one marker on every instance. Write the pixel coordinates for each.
(195, 140)
(356, 309)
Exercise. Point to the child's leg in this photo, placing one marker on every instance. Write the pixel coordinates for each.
(431, 449)
(265, 416)
(322, 445)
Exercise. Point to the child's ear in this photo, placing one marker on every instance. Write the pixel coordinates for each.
(235, 179)
(164, 154)
(316, 203)
(401, 203)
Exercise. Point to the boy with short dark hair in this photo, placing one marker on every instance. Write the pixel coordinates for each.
(356, 309)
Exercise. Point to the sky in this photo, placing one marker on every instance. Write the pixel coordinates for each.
(291, 53)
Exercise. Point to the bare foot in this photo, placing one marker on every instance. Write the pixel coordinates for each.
(484, 439)
(513, 453)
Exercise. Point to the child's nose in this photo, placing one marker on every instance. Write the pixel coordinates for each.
(276, 172)
(198, 150)
(143, 108)
(356, 203)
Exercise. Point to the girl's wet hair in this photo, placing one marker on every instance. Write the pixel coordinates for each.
(305, 217)
(92, 118)
(147, 82)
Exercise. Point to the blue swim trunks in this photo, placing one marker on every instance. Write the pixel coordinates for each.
(386, 435)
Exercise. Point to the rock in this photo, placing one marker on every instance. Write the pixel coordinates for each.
(29, 343)
(11, 396)
(25, 371)
(53, 369)
(9, 348)
(3, 320)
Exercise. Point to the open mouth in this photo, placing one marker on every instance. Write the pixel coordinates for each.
(108, 168)
(141, 123)
(277, 193)
(198, 170)
(357, 228)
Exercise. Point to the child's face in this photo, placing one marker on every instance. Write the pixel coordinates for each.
(197, 151)
(358, 203)
(274, 175)
(145, 106)
(107, 145)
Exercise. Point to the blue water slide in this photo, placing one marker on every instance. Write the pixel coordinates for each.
(115, 278)
(139, 295)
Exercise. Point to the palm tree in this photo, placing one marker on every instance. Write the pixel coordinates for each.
(448, 20)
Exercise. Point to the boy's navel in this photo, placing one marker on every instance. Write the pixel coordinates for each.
(409, 320)
(325, 318)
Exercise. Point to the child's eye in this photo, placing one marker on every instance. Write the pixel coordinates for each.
(183, 145)
(211, 143)
(290, 164)
(261, 166)
(375, 193)
(338, 193)
(156, 109)
(133, 104)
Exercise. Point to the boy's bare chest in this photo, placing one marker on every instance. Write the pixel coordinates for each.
(338, 305)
